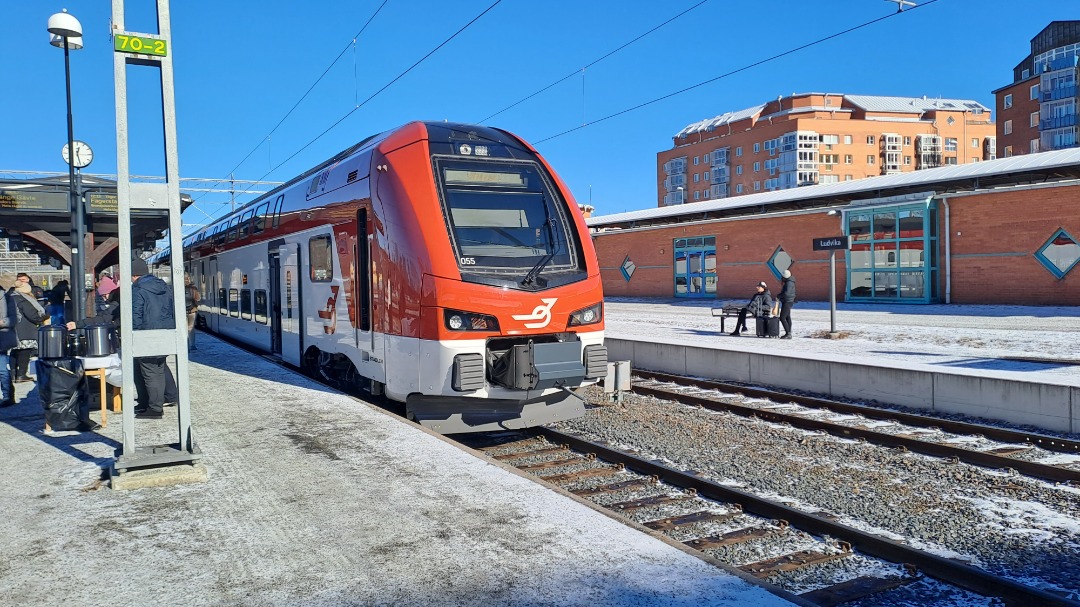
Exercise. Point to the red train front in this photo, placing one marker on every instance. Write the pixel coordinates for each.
(445, 265)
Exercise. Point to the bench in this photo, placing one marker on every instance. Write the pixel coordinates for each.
(726, 311)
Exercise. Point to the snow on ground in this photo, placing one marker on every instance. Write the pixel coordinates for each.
(973, 337)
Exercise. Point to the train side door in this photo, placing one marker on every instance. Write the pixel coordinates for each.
(274, 265)
(292, 310)
(365, 337)
(213, 295)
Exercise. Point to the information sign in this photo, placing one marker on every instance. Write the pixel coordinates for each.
(832, 243)
(144, 45)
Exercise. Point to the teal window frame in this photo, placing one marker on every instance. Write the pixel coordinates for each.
(684, 249)
(1051, 266)
(889, 278)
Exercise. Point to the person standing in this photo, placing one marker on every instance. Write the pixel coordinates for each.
(760, 305)
(24, 278)
(151, 308)
(192, 297)
(787, 299)
(57, 297)
(30, 316)
(8, 340)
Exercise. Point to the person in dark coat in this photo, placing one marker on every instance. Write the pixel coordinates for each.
(8, 340)
(31, 315)
(151, 308)
(787, 299)
(760, 305)
(23, 277)
(57, 297)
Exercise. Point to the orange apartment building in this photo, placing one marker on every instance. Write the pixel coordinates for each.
(820, 138)
(1040, 110)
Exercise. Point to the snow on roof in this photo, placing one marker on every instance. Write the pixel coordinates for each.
(723, 119)
(925, 177)
(913, 105)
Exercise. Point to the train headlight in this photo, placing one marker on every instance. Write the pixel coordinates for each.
(465, 149)
(457, 320)
(587, 316)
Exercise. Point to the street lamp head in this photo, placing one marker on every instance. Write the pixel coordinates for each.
(74, 43)
(65, 25)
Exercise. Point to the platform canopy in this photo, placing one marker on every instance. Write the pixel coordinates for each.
(35, 215)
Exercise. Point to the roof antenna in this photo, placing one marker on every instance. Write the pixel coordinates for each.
(900, 4)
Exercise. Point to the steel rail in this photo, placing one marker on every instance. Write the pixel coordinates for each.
(977, 458)
(1050, 443)
(956, 573)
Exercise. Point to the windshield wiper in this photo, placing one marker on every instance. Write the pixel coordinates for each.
(539, 267)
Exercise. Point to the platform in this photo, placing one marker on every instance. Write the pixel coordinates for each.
(314, 499)
(977, 361)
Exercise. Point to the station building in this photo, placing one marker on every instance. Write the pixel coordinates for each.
(1005, 231)
(1039, 110)
(820, 138)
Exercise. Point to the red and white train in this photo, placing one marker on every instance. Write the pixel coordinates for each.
(445, 265)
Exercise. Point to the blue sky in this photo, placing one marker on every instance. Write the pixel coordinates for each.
(240, 67)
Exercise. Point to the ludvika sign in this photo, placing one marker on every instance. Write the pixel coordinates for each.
(831, 243)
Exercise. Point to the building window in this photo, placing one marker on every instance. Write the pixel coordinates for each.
(697, 178)
(778, 262)
(705, 177)
(975, 142)
(738, 151)
(697, 159)
(705, 194)
(757, 186)
(950, 160)
(829, 179)
(697, 195)
(893, 254)
(907, 140)
(950, 144)
(849, 177)
(1008, 151)
(738, 170)
(870, 159)
(757, 148)
(869, 140)
(1034, 91)
(706, 158)
(757, 167)
(848, 159)
(1060, 254)
(738, 189)
(830, 139)
(847, 139)
(1008, 101)
(1034, 146)
(321, 259)
(907, 160)
(695, 267)
(1008, 127)
(1033, 120)
(830, 159)
(1025, 74)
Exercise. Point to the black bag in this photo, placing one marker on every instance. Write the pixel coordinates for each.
(62, 390)
(768, 327)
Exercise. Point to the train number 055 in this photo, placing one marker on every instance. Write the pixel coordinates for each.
(467, 261)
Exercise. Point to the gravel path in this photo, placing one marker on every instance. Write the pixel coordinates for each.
(1006, 523)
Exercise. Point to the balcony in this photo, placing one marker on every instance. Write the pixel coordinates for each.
(1061, 92)
(1058, 122)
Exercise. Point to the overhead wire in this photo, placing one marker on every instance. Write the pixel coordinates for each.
(582, 69)
(352, 43)
(736, 71)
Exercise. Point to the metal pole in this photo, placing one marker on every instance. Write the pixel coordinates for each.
(77, 218)
(833, 334)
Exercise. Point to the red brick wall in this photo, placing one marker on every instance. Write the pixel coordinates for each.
(994, 238)
(1020, 114)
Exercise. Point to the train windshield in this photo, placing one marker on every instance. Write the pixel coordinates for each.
(505, 218)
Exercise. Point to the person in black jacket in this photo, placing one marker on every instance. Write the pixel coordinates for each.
(787, 299)
(8, 340)
(30, 317)
(760, 305)
(151, 308)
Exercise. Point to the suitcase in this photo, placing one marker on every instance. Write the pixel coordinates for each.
(768, 327)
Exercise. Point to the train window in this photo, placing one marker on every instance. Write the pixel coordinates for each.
(219, 235)
(234, 303)
(245, 224)
(245, 304)
(222, 308)
(259, 221)
(260, 306)
(320, 259)
(232, 229)
(277, 210)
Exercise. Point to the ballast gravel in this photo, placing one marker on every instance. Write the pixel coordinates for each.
(998, 520)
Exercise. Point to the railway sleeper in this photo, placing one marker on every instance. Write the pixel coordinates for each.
(737, 537)
(523, 454)
(658, 500)
(557, 463)
(637, 483)
(855, 589)
(794, 561)
(705, 516)
(571, 477)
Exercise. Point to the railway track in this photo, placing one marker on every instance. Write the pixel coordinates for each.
(719, 520)
(915, 433)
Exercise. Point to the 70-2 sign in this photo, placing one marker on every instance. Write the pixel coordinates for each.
(123, 43)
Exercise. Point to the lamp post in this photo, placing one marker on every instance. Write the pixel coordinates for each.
(67, 33)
